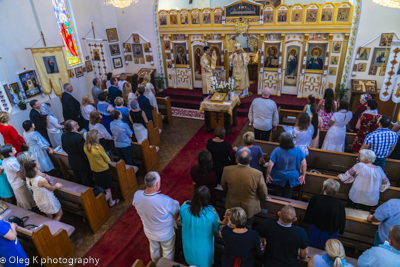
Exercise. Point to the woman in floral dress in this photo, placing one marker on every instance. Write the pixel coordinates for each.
(327, 107)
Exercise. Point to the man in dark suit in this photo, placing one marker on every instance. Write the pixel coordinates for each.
(113, 90)
(72, 143)
(71, 107)
(37, 119)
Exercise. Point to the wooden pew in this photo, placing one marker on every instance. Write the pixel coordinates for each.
(50, 239)
(60, 162)
(153, 134)
(334, 163)
(164, 107)
(284, 113)
(157, 117)
(80, 200)
(125, 177)
(145, 155)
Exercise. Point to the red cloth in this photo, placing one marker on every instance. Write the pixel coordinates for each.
(68, 40)
(11, 136)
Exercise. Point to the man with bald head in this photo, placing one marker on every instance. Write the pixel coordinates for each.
(71, 107)
(283, 240)
(244, 186)
(263, 115)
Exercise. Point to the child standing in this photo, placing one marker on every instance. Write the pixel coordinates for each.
(15, 177)
(311, 100)
(43, 194)
(122, 137)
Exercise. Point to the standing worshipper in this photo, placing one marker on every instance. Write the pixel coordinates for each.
(139, 121)
(96, 90)
(149, 91)
(303, 132)
(317, 122)
(119, 105)
(327, 107)
(105, 110)
(73, 144)
(263, 115)
(108, 82)
(71, 107)
(6, 192)
(53, 126)
(257, 156)
(38, 146)
(113, 91)
(363, 107)
(239, 61)
(127, 93)
(122, 137)
(157, 212)
(104, 136)
(10, 135)
(87, 107)
(37, 119)
(144, 103)
(206, 71)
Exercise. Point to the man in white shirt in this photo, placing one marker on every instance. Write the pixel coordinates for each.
(263, 115)
(157, 212)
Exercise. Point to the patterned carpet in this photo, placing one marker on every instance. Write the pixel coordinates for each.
(187, 113)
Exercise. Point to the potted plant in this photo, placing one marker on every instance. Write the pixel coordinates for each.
(160, 81)
(341, 91)
(21, 103)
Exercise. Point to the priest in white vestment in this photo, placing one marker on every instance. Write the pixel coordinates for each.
(206, 71)
(239, 61)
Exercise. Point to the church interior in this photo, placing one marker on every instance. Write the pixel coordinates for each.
(177, 75)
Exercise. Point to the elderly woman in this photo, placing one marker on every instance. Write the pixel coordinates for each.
(325, 214)
(363, 107)
(149, 91)
(10, 135)
(287, 166)
(334, 256)
(256, 152)
(367, 123)
(221, 151)
(368, 180)
(240, 242)
(199, 221)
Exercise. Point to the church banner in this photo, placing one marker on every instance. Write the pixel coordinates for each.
(390, 74)
(51, 67)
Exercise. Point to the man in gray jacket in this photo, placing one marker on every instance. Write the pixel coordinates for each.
(96, 90)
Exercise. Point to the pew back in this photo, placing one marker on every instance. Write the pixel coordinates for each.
(145, 155)
(164, 107)
(125, 176)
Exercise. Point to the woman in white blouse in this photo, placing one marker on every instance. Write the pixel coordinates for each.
(95, 122)
(53, 126)
(368, 181)
(86, 109)
(149, 91)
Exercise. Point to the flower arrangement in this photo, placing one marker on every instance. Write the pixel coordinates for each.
(223, 87)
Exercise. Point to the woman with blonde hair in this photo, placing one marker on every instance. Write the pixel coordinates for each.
(10, 135)
(257, 156)
(99, 164)
(334, 256)
(127, 93)
(86, 108)
(149, 91)
(95, 122)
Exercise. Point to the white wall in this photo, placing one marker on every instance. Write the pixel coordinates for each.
(183, 4)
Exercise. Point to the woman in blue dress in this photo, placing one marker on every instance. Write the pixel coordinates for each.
(199, 221)
(6, 191)
(38, 146)
(10, 248)
(105, 110)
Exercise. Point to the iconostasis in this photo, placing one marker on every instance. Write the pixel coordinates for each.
(298, 49)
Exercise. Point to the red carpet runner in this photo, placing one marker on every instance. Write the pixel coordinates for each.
(125, 241)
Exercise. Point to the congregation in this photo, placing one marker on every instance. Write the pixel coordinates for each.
(95, 133)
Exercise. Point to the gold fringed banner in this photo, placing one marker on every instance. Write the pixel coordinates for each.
(51, 67)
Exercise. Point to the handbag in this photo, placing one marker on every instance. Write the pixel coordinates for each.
(98, 190)
(21, 222)
(3, 206)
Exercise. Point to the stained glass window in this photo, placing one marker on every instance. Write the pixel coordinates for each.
(67, 31)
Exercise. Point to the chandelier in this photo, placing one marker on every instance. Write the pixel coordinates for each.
(388, 3)
(120, 3)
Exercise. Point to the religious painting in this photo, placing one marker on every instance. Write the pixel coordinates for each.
(180, 54)
(178, 37)
(386, 39)
(206, 18)
(127, 47)
(271, 56)
(334, 60)
(169, 64)
(215, 52)
(137, 50)
(9, 94)
(168, 55)
(382, 71)
(50, 63)
(311, 37)
(217, 18)
(362, 67)
(282, 15)
(336, 46)
(198, 53)
(30, 83)
(136, 60)
(114, 49)
(142, 60)
(379, 57)
(128, 57)
(148, 58)
(215, 36)
(112, 35)
(372, 70)
(78, 72)
(326, 14)
(84, 69)
(325, 36)
(268, 16)
(87, 57)
(184, 18)
(292, 65)
(96, 55)
(273, 37)
(167, 45)
(146, 47)
(14, 87)
(364, 53)
(117, 62)
(311, 15)
(71, 73)
(297, 15)
(173, 19)
(332, 71)
(274, 3)
(318, 37)
(89, 67)
(343, 15)
(243, 9)
(315, 56)
(136, 38)
(195, 18)
(163, 19)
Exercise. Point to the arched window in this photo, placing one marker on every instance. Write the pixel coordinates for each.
(68, 33)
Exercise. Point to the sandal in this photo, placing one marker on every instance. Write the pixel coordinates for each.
(116, 201)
